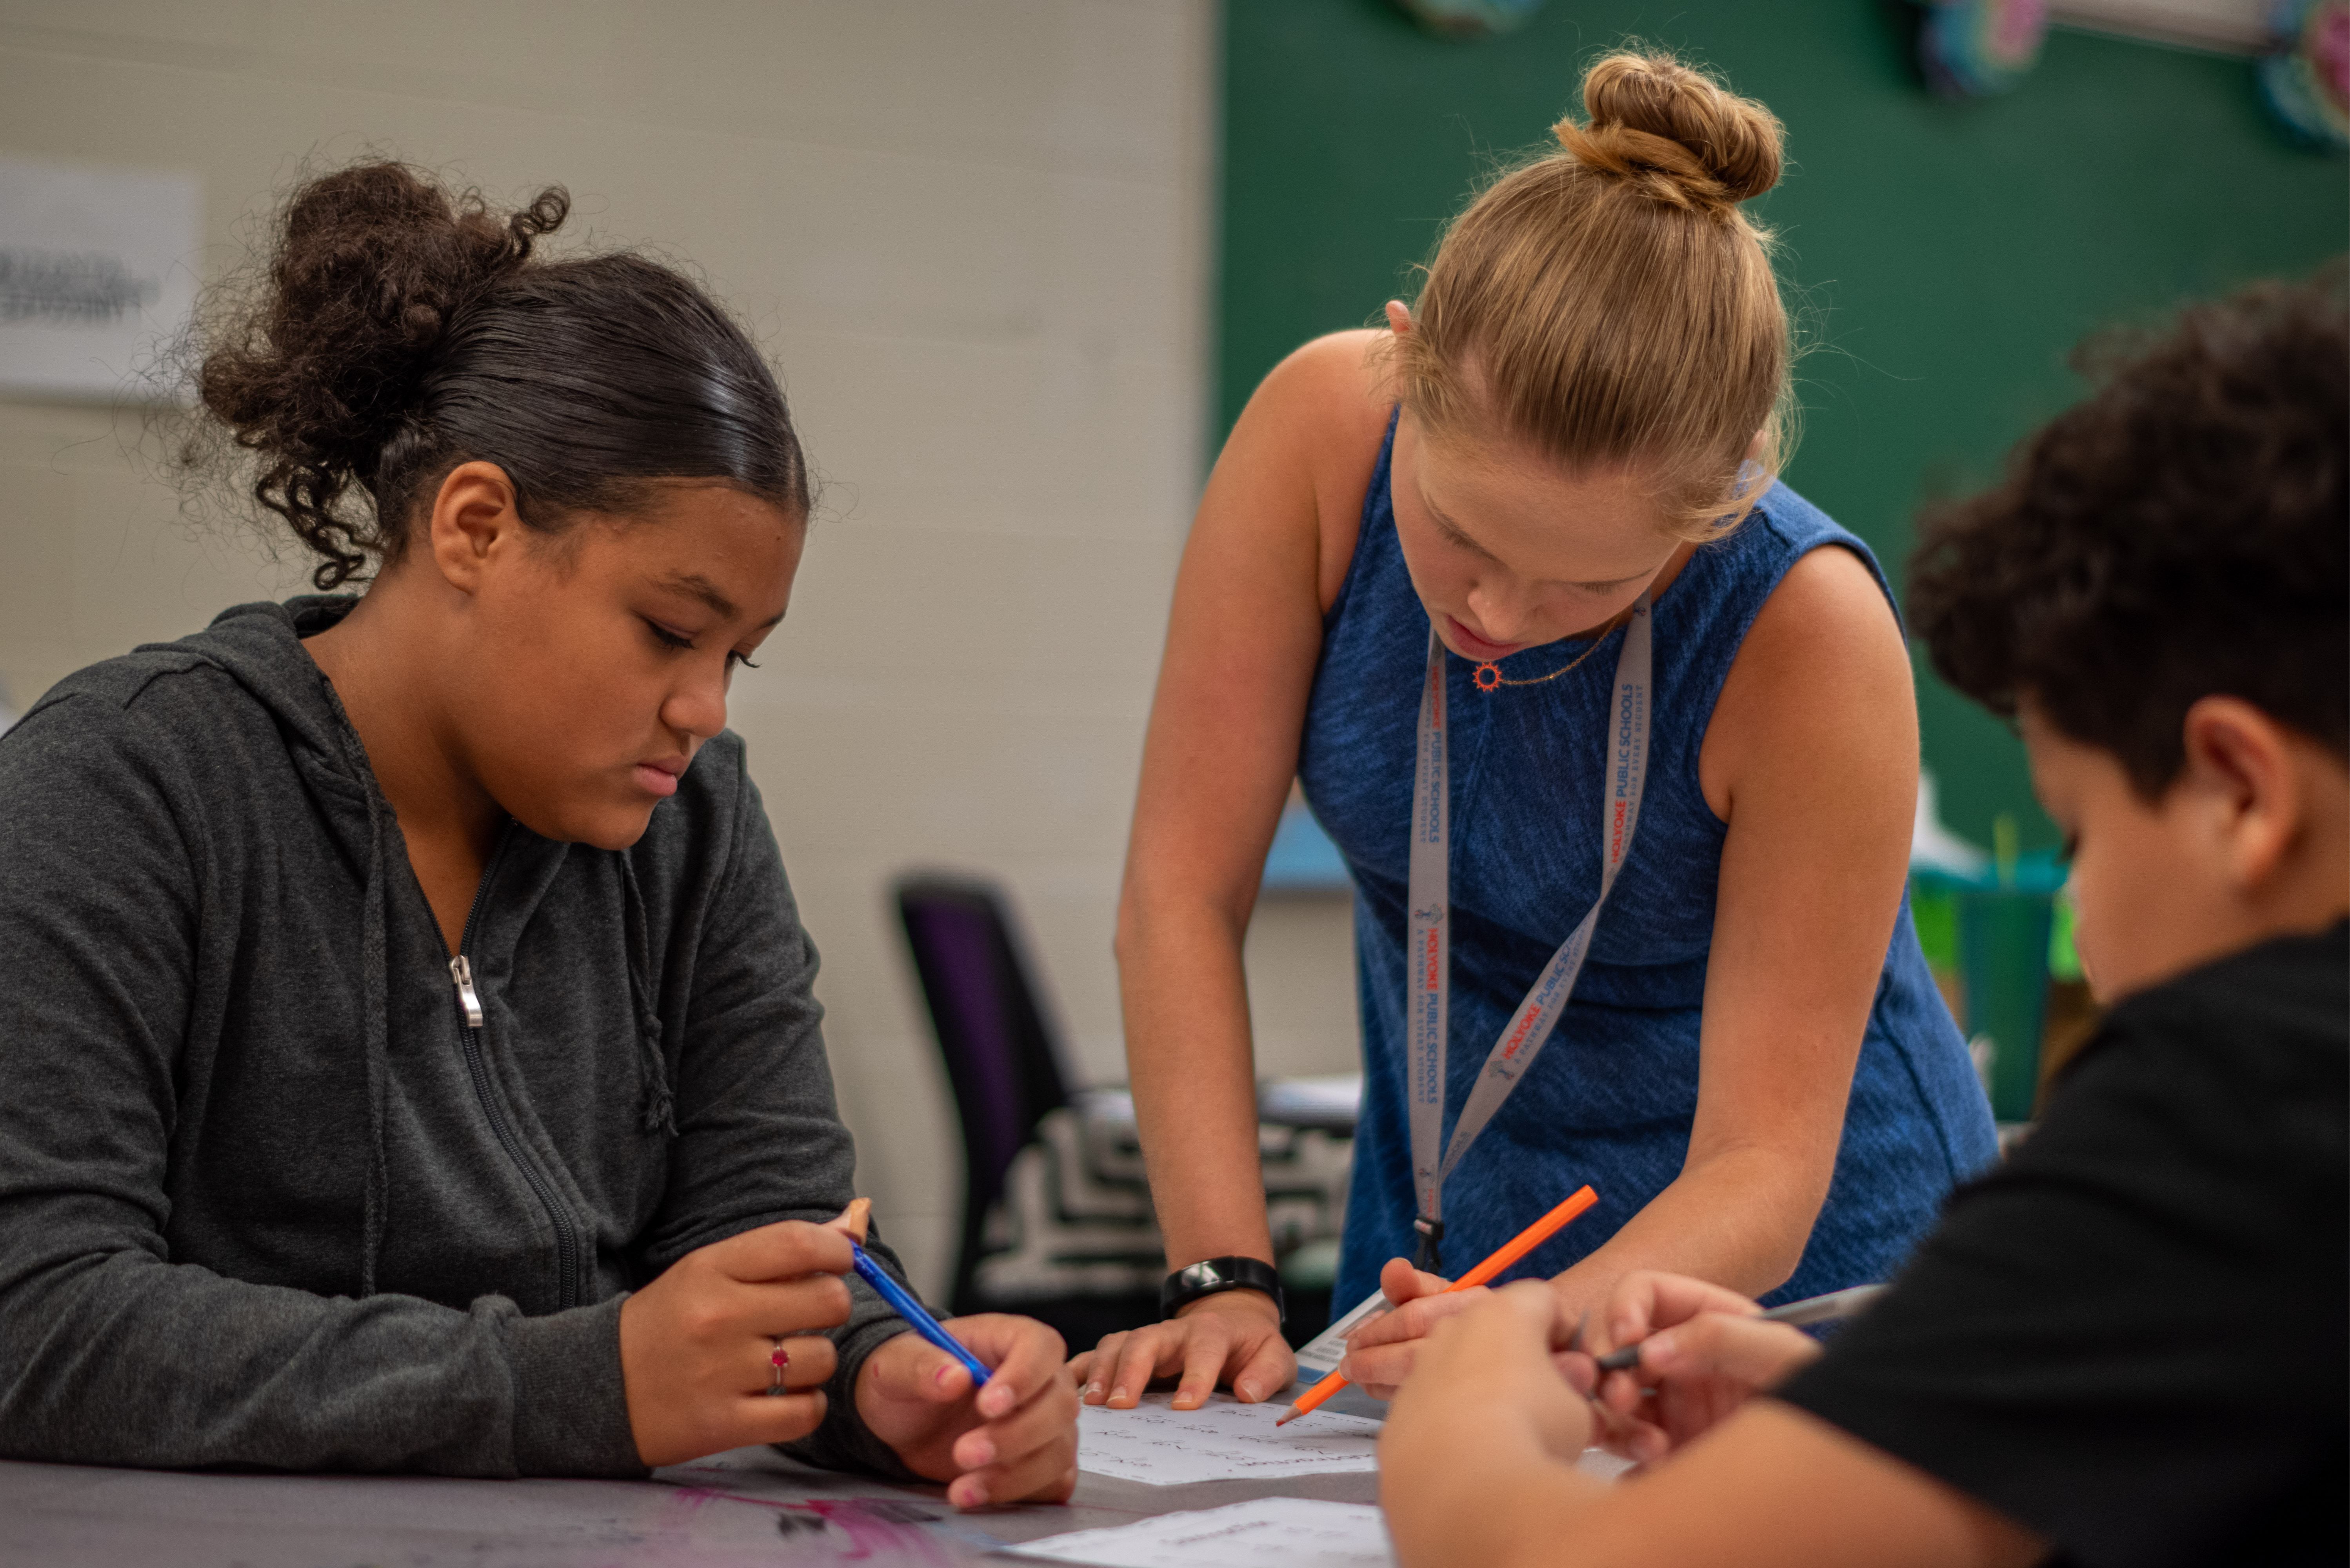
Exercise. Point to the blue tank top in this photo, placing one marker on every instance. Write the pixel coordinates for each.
(1610, 1101)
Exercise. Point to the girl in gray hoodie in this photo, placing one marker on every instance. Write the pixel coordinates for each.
(407, 1052)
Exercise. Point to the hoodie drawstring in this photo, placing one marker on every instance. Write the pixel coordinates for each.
(652, 1062)
(374, 1004)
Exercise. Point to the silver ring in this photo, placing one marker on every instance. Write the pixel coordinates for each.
(776, 1362)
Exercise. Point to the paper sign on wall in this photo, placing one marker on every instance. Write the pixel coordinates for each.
(98, 270)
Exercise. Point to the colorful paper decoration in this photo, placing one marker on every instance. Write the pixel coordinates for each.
(1973, 48)
(2306, 79)
(1472, 18)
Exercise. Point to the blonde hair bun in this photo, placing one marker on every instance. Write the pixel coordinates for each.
(1674, 132)
(1614, 306)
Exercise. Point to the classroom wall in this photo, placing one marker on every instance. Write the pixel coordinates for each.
(1942, 257)
(974, 237)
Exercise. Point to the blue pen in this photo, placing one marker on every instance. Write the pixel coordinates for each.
(914, 1311)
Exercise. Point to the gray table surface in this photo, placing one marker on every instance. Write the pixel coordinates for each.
(751, 1506)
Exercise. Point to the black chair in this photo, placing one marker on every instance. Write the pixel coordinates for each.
(1006, 1072)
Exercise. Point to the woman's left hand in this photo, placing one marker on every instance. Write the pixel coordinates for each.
(1380, 1355)
(1014, 1440)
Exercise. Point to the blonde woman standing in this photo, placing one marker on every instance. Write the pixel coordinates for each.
(1617, 736)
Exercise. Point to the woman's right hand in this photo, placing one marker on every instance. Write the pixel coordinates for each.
(1233, 1336)
(1703, 1353)
(696, 1344)
(1262, 563)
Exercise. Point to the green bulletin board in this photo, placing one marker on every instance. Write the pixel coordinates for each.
(1943, 257)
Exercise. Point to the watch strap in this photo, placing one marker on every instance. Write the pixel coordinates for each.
(1213, 1276)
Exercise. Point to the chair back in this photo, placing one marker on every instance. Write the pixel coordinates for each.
(1000, 1054)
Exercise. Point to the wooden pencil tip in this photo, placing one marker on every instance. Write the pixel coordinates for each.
(1294, 1413)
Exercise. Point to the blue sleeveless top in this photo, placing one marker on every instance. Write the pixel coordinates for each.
(1611, 1098)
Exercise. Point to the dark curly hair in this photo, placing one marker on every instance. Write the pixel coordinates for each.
(2184, 531)
(399, 329)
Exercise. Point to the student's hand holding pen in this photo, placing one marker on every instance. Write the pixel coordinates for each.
(1703, 1352)
(1491, 1357)
(1480, 1427)
(699, 1345)
(705, 1347)
(1012, 1441)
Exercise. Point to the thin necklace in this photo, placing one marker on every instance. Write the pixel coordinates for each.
(1488, 676)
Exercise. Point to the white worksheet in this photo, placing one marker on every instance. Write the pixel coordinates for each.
(1271, 1533)
(1223, 1439)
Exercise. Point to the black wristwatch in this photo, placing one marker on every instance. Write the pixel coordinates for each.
(1212, 1276)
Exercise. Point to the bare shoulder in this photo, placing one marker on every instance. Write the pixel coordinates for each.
(1822, 670)
(1312, 429)
(1275, 526)
(1827, 606)
(1331, 384)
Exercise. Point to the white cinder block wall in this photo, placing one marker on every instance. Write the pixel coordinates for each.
(976, 238)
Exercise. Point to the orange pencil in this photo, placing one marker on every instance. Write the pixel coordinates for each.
(1525, 1241)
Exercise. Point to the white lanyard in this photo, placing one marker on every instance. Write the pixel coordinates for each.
(1429, 958)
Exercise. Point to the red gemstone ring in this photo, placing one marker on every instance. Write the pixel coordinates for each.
(779, 1360)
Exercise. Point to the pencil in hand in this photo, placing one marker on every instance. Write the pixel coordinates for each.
(851, 1221)
(1829, 1308)
(1525, 1241)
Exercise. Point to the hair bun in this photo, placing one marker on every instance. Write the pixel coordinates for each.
(317, 362)
(370, 266)
(1674, 132)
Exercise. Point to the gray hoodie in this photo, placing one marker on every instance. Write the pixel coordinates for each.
(268, 1195)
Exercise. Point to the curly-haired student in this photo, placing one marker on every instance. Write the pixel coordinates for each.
(2130, 1343)
(408, 1055)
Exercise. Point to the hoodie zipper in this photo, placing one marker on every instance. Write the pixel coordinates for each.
(469, 1018)
(467, 997)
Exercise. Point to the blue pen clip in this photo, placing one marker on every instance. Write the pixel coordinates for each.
(902, 1301)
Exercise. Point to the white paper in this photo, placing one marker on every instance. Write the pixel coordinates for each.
(1320, 1355)
(1270, 1533)
(1223, 1439)
(97, 273)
